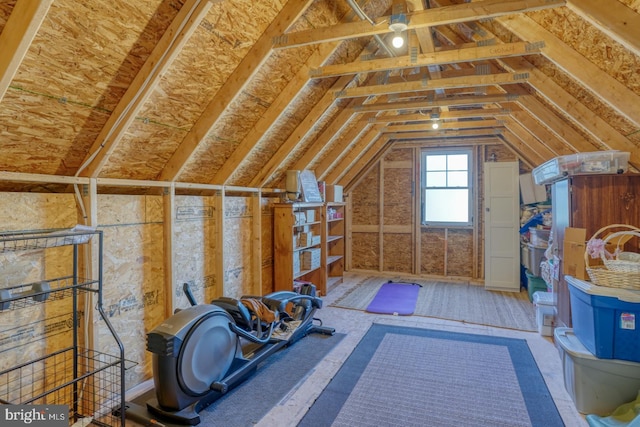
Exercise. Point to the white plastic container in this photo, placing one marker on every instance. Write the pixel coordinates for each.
(545, 312)
(597, 386)
(596, 162)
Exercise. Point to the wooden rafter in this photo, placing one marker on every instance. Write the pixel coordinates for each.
(166, 50)
(249, 65)
(297, 135)
(540, 131)
(364, 144)
(579, 113)
(443, 133)
(531, 157)
(427, 105)
(420, 19)
(610, 90)
(529, 139)
(339, 149)
(613, 18)
(455, 114)
(17, 35)
(467, 124)
(276, 110)
(433, 84)
(460, 54)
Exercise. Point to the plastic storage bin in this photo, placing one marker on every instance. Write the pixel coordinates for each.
(597, 386)
(536, 255)
(545, 312)
(582, 163)
(539, 237)
(534, 284)
(606, 320)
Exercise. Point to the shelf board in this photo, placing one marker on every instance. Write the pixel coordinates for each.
(333, 258)
(333, 238)
(304, 273)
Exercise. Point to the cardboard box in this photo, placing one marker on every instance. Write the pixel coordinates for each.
(311, 259)
(334, 193)
(574, 245)
(530, 192)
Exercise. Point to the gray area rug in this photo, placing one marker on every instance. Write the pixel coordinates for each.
(276, 377)
(454, 301)
(415, 377)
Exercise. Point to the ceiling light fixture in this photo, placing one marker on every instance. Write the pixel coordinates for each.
(435, 125)
(435, 115)
(398, 24)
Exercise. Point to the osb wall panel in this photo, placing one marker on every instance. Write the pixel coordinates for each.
(364, 251)
(31, 332)
(365, 199)
(194, 246)
(432, 252)
(501, 151)
(397, 253)
(633, 4)
(256, 98)
(460, 253)
(238, 247)
(75, 70)
(133, 296)
(398, 203)
(399, 154)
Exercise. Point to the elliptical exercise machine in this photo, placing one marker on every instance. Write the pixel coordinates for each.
(201, 352)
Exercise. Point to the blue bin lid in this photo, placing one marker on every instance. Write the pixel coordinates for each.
(627, 295)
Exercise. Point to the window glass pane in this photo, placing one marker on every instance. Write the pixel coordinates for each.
(447, 205)
(438, 163)
(457, 179)
(458, 162)
(436, 179)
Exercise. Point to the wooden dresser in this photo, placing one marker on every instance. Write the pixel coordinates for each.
(590, 202)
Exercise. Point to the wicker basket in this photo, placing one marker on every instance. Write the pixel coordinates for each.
(615, 273)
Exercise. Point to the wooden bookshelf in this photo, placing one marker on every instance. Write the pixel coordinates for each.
(299, 245)
(335, 243)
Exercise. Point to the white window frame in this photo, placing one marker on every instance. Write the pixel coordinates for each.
(423, 174)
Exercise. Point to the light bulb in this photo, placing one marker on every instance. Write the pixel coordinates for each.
(398, 40)
(435, 125)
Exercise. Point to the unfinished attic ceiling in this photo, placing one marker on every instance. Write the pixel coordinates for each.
(236, 92)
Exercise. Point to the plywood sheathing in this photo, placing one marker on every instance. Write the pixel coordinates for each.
(244, 112)
(432, 253)
(366, 212)
(133, 296)
(597, 47)
(460, 253)
(238, 247)
(76, 69)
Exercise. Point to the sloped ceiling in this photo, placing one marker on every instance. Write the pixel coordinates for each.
(235, 92)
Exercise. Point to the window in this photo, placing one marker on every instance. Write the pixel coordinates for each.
(446, 184)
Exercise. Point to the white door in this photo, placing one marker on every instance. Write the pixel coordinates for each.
(501, 226)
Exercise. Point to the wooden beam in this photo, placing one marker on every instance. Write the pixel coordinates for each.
(361, 146)
(297, 135)
(360, 168)
(467, 124)
(339, 149)
(236, 82)
(271, 115)
(445, 133)
(539, 130)
(610, 90)
(145, 82)
(516, 145)
(451, 114)
(532, 144)
(581, 116)
(613, 18)
(420, 19)
(427, 104)
(18, 33)
(433, 84)
(441, 56)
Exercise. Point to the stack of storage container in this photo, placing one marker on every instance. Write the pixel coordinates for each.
(601, 354)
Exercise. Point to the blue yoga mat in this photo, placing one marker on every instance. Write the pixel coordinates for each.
(395, 298)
